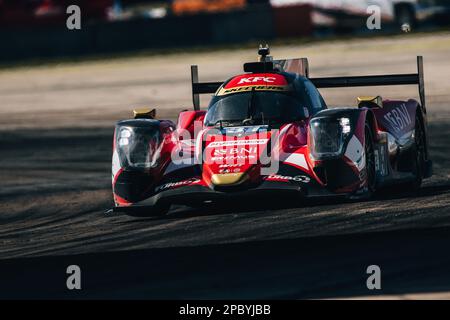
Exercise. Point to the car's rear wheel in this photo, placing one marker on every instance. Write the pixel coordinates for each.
(369, 150)
(419, 156)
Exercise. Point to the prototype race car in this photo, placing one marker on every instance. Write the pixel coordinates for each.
(269, 132)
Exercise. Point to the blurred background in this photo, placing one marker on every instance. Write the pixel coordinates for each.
(31, 29)
(62, 91)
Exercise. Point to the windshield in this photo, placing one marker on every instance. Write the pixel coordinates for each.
(254, 108)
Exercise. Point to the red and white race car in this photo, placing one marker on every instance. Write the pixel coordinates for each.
(269, 132)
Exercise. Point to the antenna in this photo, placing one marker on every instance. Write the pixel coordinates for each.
(263, 53)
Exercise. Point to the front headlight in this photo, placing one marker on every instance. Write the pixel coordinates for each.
(138, 143)
(327, 136)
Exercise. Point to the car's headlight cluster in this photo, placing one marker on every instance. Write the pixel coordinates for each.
(327, 136)
(138, 145)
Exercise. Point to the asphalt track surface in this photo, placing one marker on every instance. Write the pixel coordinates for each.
(56, 125)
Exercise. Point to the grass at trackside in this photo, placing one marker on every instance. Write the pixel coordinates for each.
(49, 62)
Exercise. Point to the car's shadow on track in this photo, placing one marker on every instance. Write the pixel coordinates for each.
(392, 193)
(395, 192)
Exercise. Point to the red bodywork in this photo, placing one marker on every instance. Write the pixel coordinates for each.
(198, 163)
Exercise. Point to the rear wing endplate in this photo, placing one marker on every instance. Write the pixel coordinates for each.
(199, 88)
(328, 82)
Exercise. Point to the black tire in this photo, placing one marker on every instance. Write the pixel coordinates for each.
(157, 210)
(369, 151)
(419, 155)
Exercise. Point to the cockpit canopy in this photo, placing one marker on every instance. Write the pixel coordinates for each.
(254, 108)
(263, 99)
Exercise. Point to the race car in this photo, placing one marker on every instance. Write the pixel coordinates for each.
(268, 133)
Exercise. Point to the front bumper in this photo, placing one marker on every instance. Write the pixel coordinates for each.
(268, 191)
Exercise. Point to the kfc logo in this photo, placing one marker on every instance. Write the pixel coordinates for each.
(251, 80)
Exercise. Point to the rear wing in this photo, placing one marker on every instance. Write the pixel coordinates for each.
(328, 82)
(378, 80)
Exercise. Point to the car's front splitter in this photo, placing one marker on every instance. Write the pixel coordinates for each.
(271, 191)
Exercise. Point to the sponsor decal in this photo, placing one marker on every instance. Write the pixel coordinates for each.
(232, 143)
(230, 170)
(248, 150)
(228, 155)
(257, 80)
(398, 118)
(232, 159)
(380, 160)
(233, 151)
(224, 91)
(171, 185)
(355, 152)
(303, 179)
(231, 165)
(266, 82)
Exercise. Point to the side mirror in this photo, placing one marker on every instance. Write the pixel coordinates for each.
(144, 113)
